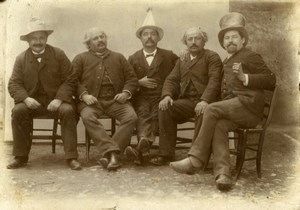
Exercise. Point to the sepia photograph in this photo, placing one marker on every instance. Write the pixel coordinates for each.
(147, 104)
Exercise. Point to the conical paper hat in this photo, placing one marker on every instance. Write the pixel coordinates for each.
(150, 23)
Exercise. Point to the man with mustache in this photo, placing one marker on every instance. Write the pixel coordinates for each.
(152, 65)
(106, 83)
(190, 87)
(43, 82)
(245, 76)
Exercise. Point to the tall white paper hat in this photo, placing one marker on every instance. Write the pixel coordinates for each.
(150, 23)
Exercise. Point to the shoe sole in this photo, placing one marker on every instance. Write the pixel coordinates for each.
(182, 171)
(131, 154)
(16, 166)
(103, 162)
(113, 168)
(76, 168)
(224, 187)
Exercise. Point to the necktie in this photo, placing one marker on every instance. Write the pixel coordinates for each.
(37, 55)
(150, 55)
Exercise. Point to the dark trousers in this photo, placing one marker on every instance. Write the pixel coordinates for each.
(179, 112)
(21, 126)
(219, 118)
(124, 113)
(146, 109)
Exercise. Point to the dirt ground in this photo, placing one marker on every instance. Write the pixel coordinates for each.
(47, 183)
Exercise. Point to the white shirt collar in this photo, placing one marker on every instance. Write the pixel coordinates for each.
(146, 53)
(193, 57)
(39, 52)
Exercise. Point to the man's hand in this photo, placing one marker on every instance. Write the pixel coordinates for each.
(148, 82)
(89, 99)
(54, 105)
(200, 107)
(183, 54)
(238, 70)
(31, 103)
(122, 97)
(164, 104)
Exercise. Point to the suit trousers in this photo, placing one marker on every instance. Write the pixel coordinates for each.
(146, 109)
(219, 118)
(21, 126)
(179, 112)
(124, 113)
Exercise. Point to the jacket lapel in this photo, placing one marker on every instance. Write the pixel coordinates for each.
(44, 59)
(158, 59)
(141, 60)
(195, 60)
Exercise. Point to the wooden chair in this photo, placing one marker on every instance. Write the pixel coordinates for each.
(243, 143)
(182, 141)
(53, 136)
(112, 130)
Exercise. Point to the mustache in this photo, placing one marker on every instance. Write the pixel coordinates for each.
(229, 44)
(100, 42)
(150, 41)
(194, 45)
(38, 45)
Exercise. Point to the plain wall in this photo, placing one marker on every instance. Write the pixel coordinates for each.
(119, 19)
(273, 29)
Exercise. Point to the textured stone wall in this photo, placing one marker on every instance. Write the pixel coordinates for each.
(273, 34)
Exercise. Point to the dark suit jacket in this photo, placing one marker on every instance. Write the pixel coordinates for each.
(160, 68)
(55, 73)
(90, 76)
(204, 71)
(260, 78)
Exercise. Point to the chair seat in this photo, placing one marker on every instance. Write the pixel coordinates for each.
(54, 134)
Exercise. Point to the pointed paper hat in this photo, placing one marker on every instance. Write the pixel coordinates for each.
(233, 21)
(35, 24)
(149, 23)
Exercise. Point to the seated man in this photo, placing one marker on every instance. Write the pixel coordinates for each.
(244, 80)
(106, 82)
(190, 87)
(42, 83)
(152, 65)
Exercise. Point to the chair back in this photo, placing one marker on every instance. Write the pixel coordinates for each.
(268, 108)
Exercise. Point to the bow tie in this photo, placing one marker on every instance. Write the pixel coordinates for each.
(37, 55)
(149, 55)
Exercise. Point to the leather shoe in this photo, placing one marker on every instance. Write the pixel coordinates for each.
(103, 161)
(160, 160)
(143, 146)
(74, 164)
(17, 163)
(185, 166)
(132, 153)
(113, 161)
(224, 182)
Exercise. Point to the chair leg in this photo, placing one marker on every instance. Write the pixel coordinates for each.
(207, 162)
(87, 146)
(54, 134)
(113, 126)
(259, 154)
(242, 144)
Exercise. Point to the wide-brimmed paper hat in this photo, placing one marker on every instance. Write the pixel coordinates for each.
(150, 23)
(233, 21)
(34, 25)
